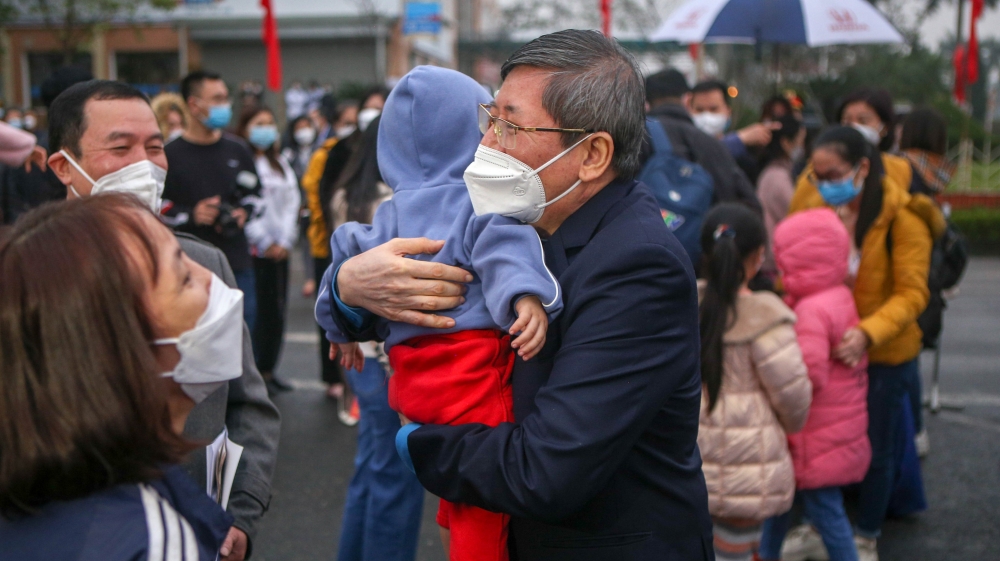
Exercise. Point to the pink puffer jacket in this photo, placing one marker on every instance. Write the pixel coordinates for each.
(765, 394)
(811, 249)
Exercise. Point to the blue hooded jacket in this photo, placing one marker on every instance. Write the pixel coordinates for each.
(428, 135)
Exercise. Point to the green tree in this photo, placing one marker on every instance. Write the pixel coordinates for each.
(73, 22)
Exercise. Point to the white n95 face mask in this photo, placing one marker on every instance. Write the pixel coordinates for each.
(499, 183)
(144, 179)
(211, 352)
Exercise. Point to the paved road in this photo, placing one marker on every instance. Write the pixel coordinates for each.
(962, 473)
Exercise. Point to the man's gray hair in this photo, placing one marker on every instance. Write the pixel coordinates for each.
(595, 85)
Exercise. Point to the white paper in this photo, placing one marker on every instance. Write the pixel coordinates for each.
(233, 453)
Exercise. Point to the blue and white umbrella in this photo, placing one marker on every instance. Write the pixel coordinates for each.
(797, 22)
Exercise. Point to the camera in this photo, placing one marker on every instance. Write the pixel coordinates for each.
(226, 224)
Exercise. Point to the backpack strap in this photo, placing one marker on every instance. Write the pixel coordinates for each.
(661, 142)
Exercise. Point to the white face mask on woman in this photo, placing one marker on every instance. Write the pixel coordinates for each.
(144, 179)
(211, 352)
(871, 134)
(499, 183)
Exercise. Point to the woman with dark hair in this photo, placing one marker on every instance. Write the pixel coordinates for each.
(891, 236)
(923, 142)
(384, 499)
(871, 113)
(272, 235)
(775, 185)
(299, 139)
(97, 298)
(756, 387)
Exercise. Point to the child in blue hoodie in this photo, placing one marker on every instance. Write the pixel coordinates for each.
(427, 137)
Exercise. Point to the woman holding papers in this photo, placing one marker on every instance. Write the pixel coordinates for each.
(99, 310)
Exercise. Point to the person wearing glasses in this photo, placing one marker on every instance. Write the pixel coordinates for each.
(601, 458)
(462, 374)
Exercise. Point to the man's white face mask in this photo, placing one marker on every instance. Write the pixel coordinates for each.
(144, 179)
(211, 352)
(712, 124)
(499, 183)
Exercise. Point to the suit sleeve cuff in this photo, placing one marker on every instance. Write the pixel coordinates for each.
(402, 446)
(357, 317)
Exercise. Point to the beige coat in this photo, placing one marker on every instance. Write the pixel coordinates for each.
(765, 394)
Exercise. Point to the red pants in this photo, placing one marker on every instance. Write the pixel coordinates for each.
(454, 379)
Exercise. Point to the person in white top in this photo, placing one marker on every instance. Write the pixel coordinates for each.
(271, 236)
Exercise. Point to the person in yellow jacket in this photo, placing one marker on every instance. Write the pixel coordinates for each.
(892, 234)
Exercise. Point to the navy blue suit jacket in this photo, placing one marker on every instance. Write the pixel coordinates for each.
(602, 462)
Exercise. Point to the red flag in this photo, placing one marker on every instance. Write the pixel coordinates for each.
(972, 54)
(606, 17)
(269, 34)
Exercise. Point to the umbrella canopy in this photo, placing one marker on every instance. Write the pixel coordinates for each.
(799, 22)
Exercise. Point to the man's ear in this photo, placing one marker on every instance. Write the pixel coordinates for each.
(686, 101)
(600, 151)
(61, 167)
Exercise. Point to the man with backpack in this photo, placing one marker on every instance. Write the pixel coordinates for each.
(664, 173)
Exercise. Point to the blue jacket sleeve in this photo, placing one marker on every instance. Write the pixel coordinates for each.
(347, 241)
(507, 256)
(735, 146)
(628, 350)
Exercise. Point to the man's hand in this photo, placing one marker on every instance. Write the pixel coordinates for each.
(276, 253)
(38, 157)
(240, 214)
(532, 323)
(351, 355)
(757, 134)
(386, 283)
(206, 211)
(852, 347)
(234, 548)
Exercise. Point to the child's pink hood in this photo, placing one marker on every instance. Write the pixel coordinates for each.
(811, 249)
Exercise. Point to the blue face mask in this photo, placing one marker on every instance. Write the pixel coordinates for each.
(837, 193)
(218, 116)
(262, 137)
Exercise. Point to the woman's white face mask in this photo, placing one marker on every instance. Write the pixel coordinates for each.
(212, 351)
(499, 183)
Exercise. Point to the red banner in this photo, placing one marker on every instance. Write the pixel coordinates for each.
(269, 35)
(606, 17)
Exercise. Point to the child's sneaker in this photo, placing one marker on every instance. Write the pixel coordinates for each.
(867, 550)
(803, 543)
(351, 415)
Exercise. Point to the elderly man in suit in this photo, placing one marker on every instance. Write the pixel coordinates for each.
(602, 460)
(105, 126)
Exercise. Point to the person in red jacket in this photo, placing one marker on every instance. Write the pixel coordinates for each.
(812, 250)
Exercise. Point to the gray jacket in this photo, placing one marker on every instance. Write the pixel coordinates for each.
(244, 408)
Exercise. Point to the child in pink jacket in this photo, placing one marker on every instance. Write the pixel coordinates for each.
(811, 250)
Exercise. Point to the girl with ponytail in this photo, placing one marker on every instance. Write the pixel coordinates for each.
(756, 387)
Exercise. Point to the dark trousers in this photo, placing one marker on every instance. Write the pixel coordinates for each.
(272, 301)
(330, 371)
(246, 281)
(887, 386)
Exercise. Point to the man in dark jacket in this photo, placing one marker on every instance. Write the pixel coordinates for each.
(602, 460)
(665, 92)
(105, 126)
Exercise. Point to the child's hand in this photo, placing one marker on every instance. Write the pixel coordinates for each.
(351, 356)
(532, 323)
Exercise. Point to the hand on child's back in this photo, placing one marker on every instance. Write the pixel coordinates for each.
(530, 327)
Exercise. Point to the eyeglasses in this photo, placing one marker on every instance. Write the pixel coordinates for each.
(506, 131)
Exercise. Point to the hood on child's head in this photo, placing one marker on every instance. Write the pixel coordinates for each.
(430, 128)
(811, 249)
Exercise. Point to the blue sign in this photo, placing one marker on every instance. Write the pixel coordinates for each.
(422, 17)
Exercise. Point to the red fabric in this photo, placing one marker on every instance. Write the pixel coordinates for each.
(269, 35)
(606, 17)
(972, 67)
(454, 379)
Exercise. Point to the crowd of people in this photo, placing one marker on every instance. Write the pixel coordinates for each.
(610, 326)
